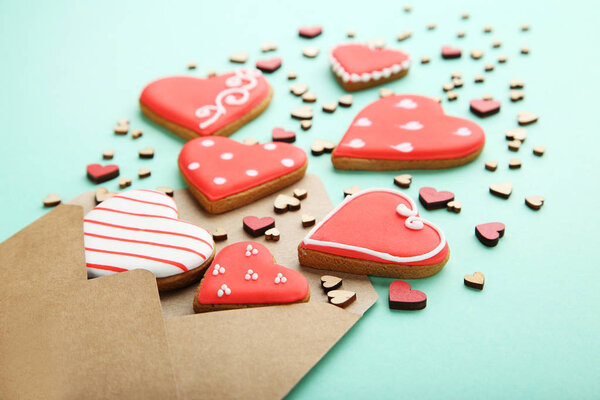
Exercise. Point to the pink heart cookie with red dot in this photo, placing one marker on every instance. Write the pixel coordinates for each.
(218, 105)
(224, 174)
(407, 132)
(244, 275)
(376, 232)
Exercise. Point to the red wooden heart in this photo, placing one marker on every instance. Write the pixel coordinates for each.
(355, 62)
(101, 173)
(270, 65)
(310, 31)
(258, 226)
(374, 225)
(205, 105)
(220, 167)
(432, 199)
(281, 135)
(409, 128)
(402, 297)
(490, 233)
(451, 52)
(484, 108)
(244, 273)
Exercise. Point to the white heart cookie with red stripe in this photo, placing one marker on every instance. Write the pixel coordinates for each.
(407, 131)
(376, 232)
(140, 229)
(224, 174)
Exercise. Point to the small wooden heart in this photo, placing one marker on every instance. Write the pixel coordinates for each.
(144, 172)
(310, 52)
(108, 154)
(102, 194)
(475, 281)
(516, 95)
(341, 298)
(403, 181)
(308, 220)
(285, 203)
(330, 282)
(309, 97)
(526, 118)
(503, 189)
(240, 57)
(454, 206)
(514, 163)
(320, 146)
(491, 165)
(490, 233)
(306, 124)
(539, 150)
(166, 190)
(298, 89)
(351, 190)
(534, 202)
(303, 112)
(147, 152)
(300, 194)
(124, 182)
(519, 134)
(346, 100)
(219, 235)
(330, 106)
(514, 145)
(272, 234)
(52, 200)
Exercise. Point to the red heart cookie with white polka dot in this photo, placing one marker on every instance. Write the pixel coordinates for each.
(376, 232)
(218, 105)
(224, 174)
(407, 132)
(244, 275)
(358, 66)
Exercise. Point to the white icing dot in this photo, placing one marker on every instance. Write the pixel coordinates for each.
(219, 180)
(254, 276)
(215, 271)
(208, 143)
(270, 146)
(220, 293)
(277, 280)
(250, 271)
(193, 166)
(283, 279)
(248, 254)
(249, 247)
(251, 172)
(287, 162)
(222, 270)
(247, 277)
(227, 156)
(227, 291)
(223, 286)
(255, 251)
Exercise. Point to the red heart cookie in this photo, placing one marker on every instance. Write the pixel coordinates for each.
(140, 229)
(489, 234)
(101, 173)
(407, 131)
(376, 232)
(224, 174)
(218, 105)
(244, 275)
(358, 66)
(402, 297)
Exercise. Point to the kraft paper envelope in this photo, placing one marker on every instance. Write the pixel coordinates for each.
(114, 323)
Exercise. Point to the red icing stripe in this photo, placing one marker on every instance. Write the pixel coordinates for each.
(147, 230)
(134, 214)
(173, 263)
(106, 267)
(146, 202)
(144, 242)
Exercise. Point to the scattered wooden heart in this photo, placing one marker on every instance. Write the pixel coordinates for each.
(281, 135)
(516, 95)
(121, 129)
(310, 52)
(514, 145)
(446, 87)
(144, 172)
(308, 220)
(309, 97)
(525, 27)
(146, 152)
(457, 82)
(268, 46)
(305, 124)
(525, 50)
(330, 282)
(514, 163)
(454, 206)
(351, 190)
(407, 8)
(491, 165)
(456, 75)
(490, 233)
(123, 121)
(431, 26)
(272, 234)
(488, 67)
(101, 173)
(460, 33)
(257, 226)
(402, 297)
(291, 75)
(403, 36)
(284, 203)
(449, 52)
(250, 141)
(451, 95)
(519, 134)
(108, 154)
(502, 58)
(320, 146)
(166, 190)
(219, 235)
(302, 112)
(526, 118)
(487, 96)
(136, 133)
(516, 83)
(385, 92)
(269, 65)
(124, 182)
(310, 32)
(330, 107)
(300, 194)
(496, 44)
(192, 65)
(476, 54)
(298, 89)
(534, 202)
(465, 15)
(403, 181)
(102, 194)
(341, 298)
(479, 78)
(484, 108)
(539, 150)
(503, 189)
(432, 199)
(51, 200)
(346, 100)
(240, 57)
(487, 29)
(351, 33)
(475, 281)
(425, 60)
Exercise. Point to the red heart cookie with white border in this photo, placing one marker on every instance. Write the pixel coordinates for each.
(217, 105)
(218, 168)
(244, 274)
(140, 229)
(407, 131)
(376, 232)
(358, 66)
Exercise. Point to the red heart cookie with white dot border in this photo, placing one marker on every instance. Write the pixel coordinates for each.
(218, 105)
(244, 275)
(224, 174)
(376, 232)
(358, 66)
(407, 132)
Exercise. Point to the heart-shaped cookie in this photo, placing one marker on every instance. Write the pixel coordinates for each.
(358, 66)
(219, 105)
(140, 229)
(376, 232)
(224, 174)
(407, 131)
(244, 275)
(490, 233)
(402, 297)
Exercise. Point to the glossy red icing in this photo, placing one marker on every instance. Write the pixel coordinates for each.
(232, 265)
(409, 127)
(357, 58)
(179, 98)
(220, 167)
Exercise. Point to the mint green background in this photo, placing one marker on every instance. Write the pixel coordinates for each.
(70, 69)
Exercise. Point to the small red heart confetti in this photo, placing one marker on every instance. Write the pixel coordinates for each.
(310, 32)
(432, 199)
(269, 65)
(281, 135)
(101, 173)
(449, 52)
(490, 233)
(484, 108)
(258, 226)
(402, 297)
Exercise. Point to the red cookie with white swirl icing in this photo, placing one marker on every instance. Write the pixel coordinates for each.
(376, 232)
(359, 66)
(224, 174)
(140, 229)
(244, 275)
(407, 132)
(218, 105)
